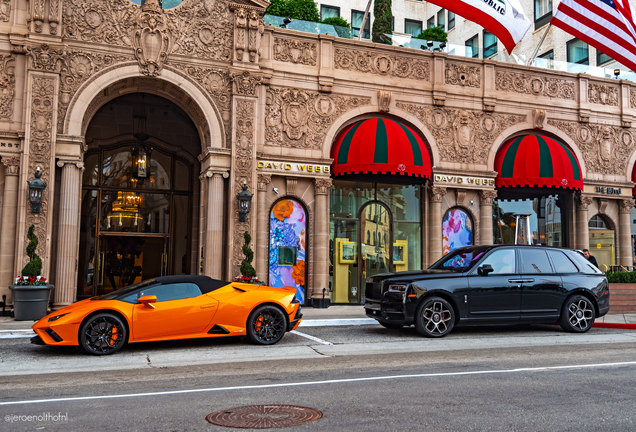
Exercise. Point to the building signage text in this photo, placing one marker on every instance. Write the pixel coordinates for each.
(294, 167)
(607, 190)
(469, 181)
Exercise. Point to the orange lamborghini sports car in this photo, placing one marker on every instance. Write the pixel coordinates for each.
(172, 307)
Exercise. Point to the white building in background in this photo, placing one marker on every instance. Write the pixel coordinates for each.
(412, 16)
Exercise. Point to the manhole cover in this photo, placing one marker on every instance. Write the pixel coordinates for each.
(263, 416)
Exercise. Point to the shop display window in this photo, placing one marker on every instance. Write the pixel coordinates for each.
(457, 230)
(287, 246)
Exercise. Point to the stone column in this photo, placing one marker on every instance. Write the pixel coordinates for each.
(262, 228)
(9, 224)
(321, 237)
(67, 248)
(214, 225)
(436, 194)
(485, 216)
(582, 221)
(625, 232)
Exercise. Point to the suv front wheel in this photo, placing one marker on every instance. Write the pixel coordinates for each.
(434, 318)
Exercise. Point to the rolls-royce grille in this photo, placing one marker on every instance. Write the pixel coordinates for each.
(373, 291)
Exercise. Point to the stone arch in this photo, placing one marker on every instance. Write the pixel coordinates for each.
(172, 85)
(372, 111)
(607, 219)
(526, 127)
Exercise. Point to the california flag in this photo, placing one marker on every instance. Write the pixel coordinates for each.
(503, 18)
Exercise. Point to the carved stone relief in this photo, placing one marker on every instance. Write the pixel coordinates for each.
(5, 10)
(538, 118)
(202, 28)
(462, 135)
(382, 64)
(323, 185)
(293, 51)
(54, 13)
(41, 130)
(245, 83)
(603, 94)
(606, 149)
(263, 181)
(535, 85)
(300, 118)
(632, 98)
(436, 193)
(463, 75)
(384, 100)
(152, 40)
(583, 202)
(626, 205)
(256, 27)
(46, 58)
(244, 161)
(487, 196)
(11, 165)
(7, 85)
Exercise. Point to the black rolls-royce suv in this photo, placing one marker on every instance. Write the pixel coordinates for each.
(492, 284)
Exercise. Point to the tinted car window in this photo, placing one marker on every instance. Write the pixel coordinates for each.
(177, 291)
(535, 261)
(582, 263)
(562, 263)
(502, 261)
(460, 259)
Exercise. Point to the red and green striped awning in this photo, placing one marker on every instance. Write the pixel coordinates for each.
(380, 146)
(537, 161)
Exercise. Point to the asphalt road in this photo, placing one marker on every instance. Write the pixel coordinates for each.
(501, 379)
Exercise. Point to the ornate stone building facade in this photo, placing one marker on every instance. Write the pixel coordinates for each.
(147, 122)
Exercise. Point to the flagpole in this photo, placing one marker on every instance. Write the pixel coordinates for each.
(364, 20)
(536, 51)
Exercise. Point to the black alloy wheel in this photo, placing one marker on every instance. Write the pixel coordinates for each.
(434, 318)
(390, 325)
(103, 334)
(577, 315)
(266, 325)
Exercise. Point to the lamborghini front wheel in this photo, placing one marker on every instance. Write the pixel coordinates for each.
(266, 325)
(103, 334)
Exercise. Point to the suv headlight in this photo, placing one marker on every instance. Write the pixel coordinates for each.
(397, 288)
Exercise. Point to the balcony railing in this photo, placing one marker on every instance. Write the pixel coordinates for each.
(407, 41)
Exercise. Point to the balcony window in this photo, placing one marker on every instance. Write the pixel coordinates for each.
(356, 23)
(490, 44)
(602, 58)
(472, 47)
(329, 12)
(578, 52)
(542, 12)
(430, 22)
(451, 20)
(441, 19)
(414, 28)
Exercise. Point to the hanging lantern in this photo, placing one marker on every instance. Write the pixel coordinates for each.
(245, 203)
(140, 161)
(36, 187)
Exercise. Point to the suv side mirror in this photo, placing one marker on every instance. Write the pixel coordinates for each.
(485, 269)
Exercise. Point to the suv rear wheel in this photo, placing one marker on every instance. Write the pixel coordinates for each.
(577, 315)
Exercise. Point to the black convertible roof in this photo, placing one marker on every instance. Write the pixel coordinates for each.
(205, 283)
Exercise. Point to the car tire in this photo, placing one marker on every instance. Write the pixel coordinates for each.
(577, 314)
(103, 334)
(266, 325)
(434, 318)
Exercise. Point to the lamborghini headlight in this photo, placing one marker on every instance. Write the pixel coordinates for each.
(57, 317)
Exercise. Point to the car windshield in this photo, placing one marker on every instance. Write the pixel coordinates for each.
(115, 294)
(461, 259)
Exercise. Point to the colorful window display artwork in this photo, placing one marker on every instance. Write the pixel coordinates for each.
(457, 230)
(288, 225)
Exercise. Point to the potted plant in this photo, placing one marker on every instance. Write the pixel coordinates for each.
(31, 291)
(248, 274)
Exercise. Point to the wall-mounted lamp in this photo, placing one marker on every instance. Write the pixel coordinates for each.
(286, 22)
(617, 72)
(245, 203)
(36, 187)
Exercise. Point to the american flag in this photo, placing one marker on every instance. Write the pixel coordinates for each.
(607, 25)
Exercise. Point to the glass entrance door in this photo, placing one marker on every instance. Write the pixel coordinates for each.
(376, 238)
(125, 260)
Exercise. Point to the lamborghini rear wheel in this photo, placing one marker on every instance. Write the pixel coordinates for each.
(266, 325)
(103, 334)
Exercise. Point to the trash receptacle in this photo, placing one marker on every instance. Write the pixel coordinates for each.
(30, 302)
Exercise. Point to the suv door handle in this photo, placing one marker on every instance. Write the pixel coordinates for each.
(527, 280)
(515, 280)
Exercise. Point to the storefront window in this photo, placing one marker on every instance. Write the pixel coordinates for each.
(287, 245)
(457, 230)
(375, 228)
(546, 224)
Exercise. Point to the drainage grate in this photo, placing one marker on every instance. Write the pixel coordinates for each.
(263, 416)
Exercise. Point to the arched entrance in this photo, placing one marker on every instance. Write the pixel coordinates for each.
(138, 194)
(602, 241)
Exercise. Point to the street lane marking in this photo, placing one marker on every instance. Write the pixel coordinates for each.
(337, 322)
(334, 381)
(313, 338)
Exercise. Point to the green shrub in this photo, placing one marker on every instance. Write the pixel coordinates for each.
(340, 24)
(435, 34)
(246, 265)
(34, 267)
(383, 22)
(621, 277)
(305, 10)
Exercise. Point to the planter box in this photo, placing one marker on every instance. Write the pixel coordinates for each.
(622, 298)
(30, 303)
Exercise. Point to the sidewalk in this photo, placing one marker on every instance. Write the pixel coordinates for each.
(341, 315)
